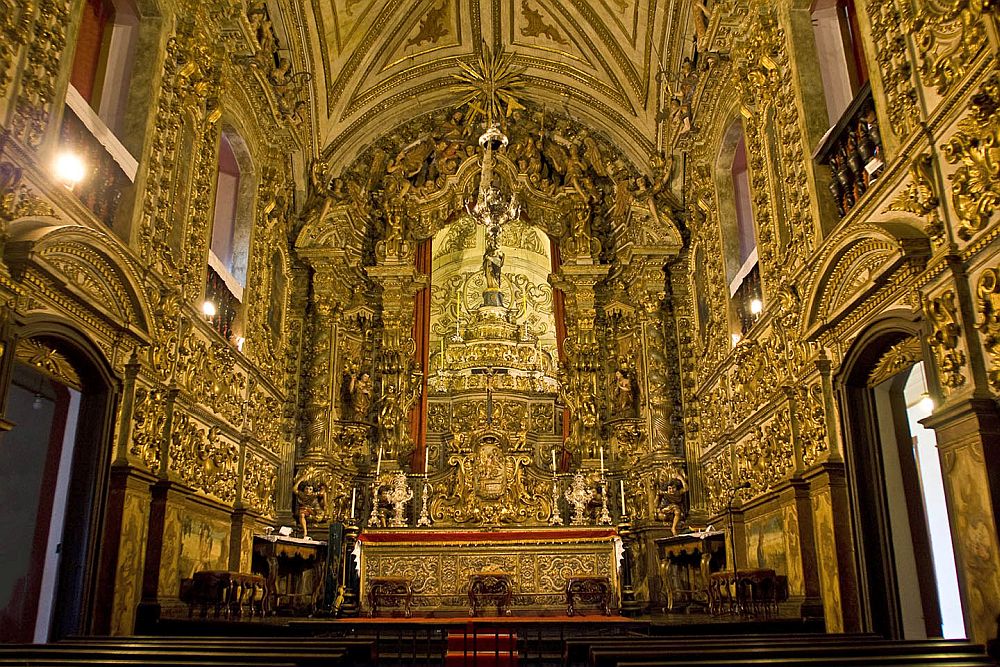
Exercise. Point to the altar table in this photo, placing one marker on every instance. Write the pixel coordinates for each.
(440, 563)
(293, 568)
(687, 561)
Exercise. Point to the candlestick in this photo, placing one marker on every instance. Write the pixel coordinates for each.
(354, 498)
(378, 466)
(622, 487)
(602, 461)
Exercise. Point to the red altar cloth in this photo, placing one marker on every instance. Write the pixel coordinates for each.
(538, 535)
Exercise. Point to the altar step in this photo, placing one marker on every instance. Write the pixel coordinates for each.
(475, 649)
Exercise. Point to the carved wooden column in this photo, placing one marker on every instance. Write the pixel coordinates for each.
(399, 279)
(578, 282)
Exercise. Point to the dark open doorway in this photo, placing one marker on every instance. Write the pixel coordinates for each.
(53, 477)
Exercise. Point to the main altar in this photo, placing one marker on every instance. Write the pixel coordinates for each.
(479, 413)
(442, 564)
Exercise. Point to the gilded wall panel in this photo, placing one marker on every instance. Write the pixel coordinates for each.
(131, 559)
(977, 553)
(194, 539)
(822, 506)
(203, 458)
(259, 479)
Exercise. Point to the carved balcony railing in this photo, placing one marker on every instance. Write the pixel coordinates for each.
(105, 181)
(225, 302)
(745, 294)
(853, 152)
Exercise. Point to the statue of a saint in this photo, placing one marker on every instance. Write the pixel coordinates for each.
(357, 396)
(492, 264)
(309, 505)
(670, 502)
(625, 401)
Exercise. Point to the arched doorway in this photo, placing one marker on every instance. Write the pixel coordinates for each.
(54, 462)
(906, 558)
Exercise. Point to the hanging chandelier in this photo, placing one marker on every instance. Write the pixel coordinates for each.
(492, 209)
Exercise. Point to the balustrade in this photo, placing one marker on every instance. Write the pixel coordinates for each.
(852, 150)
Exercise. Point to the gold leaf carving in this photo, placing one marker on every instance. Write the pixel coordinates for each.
(942, 314)
(897, 358)
(988, 299)
(975, 148)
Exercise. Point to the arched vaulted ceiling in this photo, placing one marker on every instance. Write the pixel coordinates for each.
(379, 63)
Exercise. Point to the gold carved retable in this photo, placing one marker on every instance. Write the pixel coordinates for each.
(441, 563)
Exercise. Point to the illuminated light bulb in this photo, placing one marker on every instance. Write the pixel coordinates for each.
(926, 403)
(736, 339)
(208, 308)
(69, 169)
(756, 306)
(240, 342)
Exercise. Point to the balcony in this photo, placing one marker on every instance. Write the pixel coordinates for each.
(743, 298)
(225, 302)
(852, 149)
(110, 167)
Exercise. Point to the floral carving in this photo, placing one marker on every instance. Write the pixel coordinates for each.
(975, 148)
(919, 197)
(942, 315)
(988, 299)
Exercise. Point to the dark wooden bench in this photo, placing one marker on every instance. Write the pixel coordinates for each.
(357, 651)
(576, 651)
(229, 593)
(870, 652)
(139, 662)
(231, 655)
(861, 661)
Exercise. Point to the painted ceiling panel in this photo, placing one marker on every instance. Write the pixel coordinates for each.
(384, 61)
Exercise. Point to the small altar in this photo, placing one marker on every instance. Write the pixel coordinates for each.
(441, 562)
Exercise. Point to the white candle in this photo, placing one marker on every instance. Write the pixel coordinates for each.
(427, 453)
(354, 497)
(553, 460)
(622, 487)
(602, 461)
(378, 466)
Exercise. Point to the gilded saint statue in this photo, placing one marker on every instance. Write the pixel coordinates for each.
(625, 399)
(492, 264)
(356, 396)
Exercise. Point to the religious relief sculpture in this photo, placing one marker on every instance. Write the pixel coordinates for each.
(490, 484)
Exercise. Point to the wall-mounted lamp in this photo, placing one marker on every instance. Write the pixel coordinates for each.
(69, 169)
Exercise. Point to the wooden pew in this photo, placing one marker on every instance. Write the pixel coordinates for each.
(139, 662)
(232, 655)
(857, 661)
(731, 654)
(576, 651)
(357, 651)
